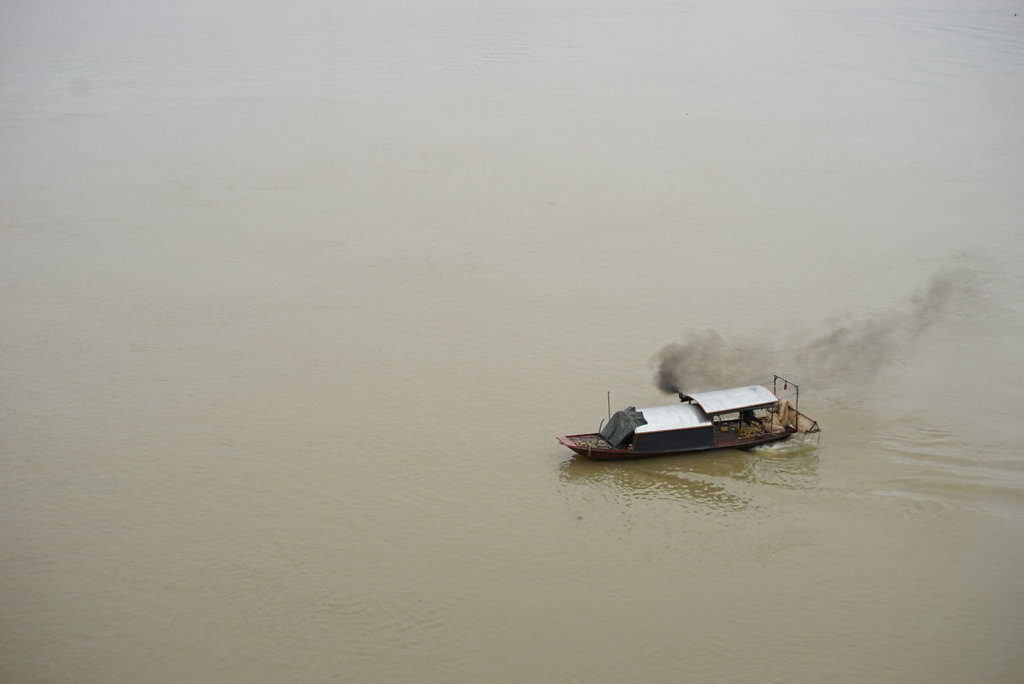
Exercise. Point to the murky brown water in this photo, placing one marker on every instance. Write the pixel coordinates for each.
(296, 297)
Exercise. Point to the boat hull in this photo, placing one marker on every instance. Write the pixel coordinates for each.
(589, 445)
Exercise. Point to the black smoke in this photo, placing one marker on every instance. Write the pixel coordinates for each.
(854, 350)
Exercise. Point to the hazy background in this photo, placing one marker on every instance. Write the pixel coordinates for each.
(296, 296)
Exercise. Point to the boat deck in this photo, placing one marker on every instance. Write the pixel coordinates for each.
(731, 438)
(590, 441)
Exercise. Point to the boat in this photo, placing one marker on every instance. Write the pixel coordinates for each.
(735, 418)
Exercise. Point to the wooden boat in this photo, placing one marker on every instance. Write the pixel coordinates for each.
(736, 418)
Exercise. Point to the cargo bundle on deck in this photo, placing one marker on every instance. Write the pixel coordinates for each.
(736, 418)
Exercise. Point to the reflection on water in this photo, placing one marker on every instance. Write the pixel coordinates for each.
(635, 480)
(715, 480)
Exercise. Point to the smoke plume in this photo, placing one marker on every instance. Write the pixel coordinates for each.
(853, 351)
(703, 361)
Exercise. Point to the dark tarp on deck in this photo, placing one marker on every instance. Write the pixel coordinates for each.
(621, 425)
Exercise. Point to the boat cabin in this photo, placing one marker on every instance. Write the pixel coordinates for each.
(704, 420)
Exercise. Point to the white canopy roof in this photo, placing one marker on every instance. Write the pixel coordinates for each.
(736, 399)
(674, 417)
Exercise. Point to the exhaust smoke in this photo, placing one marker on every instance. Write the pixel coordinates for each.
(846, 352)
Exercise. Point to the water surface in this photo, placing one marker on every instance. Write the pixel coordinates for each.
(295, 299)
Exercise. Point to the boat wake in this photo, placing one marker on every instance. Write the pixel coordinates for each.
(794, 445)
